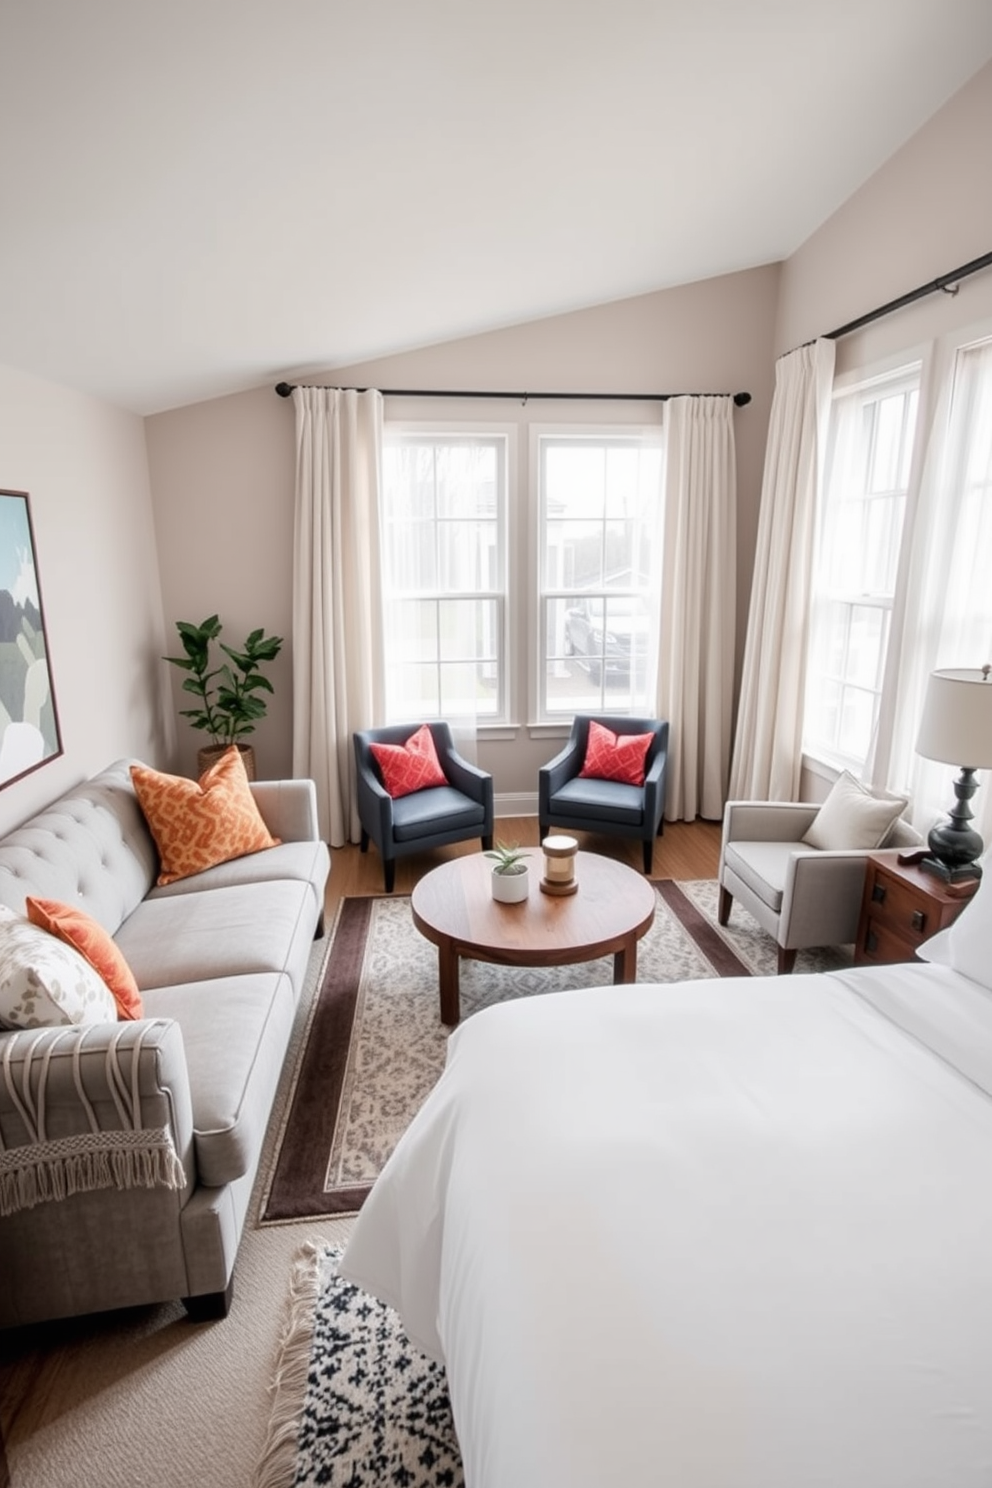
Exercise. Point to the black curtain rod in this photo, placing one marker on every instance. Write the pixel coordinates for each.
(945, 283)
(284, 389)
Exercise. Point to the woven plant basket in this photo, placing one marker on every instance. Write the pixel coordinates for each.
(211, 753)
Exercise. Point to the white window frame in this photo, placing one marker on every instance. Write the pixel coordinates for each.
(906, 375)
(442, 431)
(598, 434)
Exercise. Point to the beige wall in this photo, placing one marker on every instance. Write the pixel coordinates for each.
(84, 467)
(927, 211)
(222, 472)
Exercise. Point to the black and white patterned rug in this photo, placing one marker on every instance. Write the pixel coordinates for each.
(375, 1410)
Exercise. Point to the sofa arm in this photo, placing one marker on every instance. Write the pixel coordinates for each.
(288, 808)
(766, 821)
(102, 1106)
(821, 900)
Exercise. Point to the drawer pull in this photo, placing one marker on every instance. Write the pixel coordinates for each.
(918, 919)
(871, 942)
(878, 894)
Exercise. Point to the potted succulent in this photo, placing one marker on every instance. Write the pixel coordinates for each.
(230, 701)
(511, 873)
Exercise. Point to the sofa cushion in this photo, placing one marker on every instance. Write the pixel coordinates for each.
(235, 1032)
(200, 823)
(442, 809)
(44, 983)
(219, 933)
(305, 861)
(77, 929)
(611, 756)
(409, 767)
(600, 800)
(92, 847)
(763, 866)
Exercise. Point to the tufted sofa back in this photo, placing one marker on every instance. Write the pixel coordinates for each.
(91, 848)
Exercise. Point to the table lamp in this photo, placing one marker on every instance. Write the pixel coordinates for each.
(956, 726)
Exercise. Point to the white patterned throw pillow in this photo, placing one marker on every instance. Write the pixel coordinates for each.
(45, 983)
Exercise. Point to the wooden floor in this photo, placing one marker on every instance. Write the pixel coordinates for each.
(685, 850)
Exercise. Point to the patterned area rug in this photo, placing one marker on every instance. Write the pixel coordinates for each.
(375, 1410)
(375, 1044)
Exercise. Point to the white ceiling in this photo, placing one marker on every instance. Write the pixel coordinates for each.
(198, 196)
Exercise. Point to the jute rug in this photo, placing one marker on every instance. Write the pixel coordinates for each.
(375, 1044)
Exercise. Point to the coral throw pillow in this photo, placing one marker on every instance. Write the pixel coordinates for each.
(611, 756)
(88, 937)
(200, 823)
(411, 766)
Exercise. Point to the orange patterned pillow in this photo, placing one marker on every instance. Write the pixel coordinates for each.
(88, 937)
(200, 823)
(411, 766)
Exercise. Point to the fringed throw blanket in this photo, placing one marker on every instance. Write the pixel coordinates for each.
(44, 1169)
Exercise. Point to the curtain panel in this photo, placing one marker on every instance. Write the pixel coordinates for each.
(767, 759)
(338, 663)
(696, 647)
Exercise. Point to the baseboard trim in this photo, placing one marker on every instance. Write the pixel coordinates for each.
(520, 805)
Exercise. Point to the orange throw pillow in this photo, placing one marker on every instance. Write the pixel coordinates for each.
(100, 950)
(611, 756)
(200, 823)
(411, 766)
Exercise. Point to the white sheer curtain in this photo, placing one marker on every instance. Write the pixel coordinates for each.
(337, 619)
(768, 746)
(947, 620)
(696, 649)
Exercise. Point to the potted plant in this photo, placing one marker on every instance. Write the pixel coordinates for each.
(511, 873)
(230, 701)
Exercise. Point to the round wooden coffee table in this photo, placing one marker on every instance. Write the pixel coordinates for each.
(454, 908)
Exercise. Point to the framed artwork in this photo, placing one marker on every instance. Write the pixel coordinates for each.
(29, 725)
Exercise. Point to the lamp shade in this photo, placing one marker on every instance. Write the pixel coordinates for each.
(956, 726)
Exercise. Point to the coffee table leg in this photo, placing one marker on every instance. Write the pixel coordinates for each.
(447, 975)
(625, 964)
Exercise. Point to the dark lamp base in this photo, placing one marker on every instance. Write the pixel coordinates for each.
(958, 873)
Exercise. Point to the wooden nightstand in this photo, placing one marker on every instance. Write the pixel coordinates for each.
(902, 906)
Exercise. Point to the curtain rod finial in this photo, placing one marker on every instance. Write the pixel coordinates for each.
(284, 389)
(741, 400)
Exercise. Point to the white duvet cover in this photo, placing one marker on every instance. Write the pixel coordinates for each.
(716, 1234)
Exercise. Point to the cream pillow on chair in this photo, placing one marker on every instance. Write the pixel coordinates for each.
(851, 819)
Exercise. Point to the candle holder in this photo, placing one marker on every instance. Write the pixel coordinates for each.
(559, 865)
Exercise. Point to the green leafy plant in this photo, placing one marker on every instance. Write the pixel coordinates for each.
(230, 703)
(509, 858)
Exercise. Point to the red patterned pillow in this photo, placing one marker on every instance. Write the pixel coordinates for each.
(612, 756)
(411, 766)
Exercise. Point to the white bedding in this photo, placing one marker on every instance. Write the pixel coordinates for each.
(716, 1234)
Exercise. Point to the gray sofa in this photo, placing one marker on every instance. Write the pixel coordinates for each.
(220, 960)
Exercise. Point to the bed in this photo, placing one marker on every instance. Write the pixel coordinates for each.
(720, 1234)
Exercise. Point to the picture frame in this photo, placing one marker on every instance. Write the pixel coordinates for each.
(30, 735)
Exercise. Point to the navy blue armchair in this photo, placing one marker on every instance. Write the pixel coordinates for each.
(569, 803)
(426, 818)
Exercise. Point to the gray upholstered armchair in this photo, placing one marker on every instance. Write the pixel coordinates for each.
(567, 800)
(802, 895)
(426, 818)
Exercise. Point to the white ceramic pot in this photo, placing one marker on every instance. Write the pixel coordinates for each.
(511, 888)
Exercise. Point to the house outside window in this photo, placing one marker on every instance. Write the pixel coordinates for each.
(859, 535)
(444, 504)
(599, 566)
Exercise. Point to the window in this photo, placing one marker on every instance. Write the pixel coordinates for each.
(444, 574)
(598, 573)
(859, 534)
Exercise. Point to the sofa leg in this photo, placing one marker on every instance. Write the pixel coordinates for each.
(363, 841)
(648, 857)
(389, 873)
(487, 844)
(723, 906)
(786, 960)
(209, 1307)
(318, 934)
